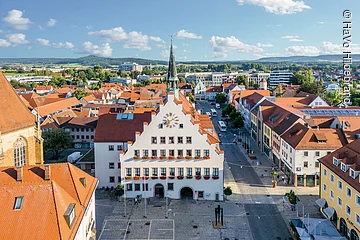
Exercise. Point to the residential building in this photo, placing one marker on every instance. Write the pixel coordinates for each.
(340, 189)
(82, 130)
(200, 91)
(280, 77)
(175, 131)
(130, 67)
(258, 77)
(44, 89)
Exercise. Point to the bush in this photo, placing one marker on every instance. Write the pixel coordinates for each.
(227, 191)
(119, 190)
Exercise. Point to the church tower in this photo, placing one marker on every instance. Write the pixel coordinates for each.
(172, 79)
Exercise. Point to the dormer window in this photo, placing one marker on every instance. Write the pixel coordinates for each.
(335, 161)
(352, 173)
(69, 215)
(343, 167)
(18, 203)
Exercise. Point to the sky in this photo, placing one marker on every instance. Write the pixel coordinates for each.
(209, 30)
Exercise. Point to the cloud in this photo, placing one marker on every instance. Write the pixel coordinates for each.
(67, 45)
(156, 39)
(15, 20)
(89, 27)
(264, 45)
(43, 42)
(51, 22)
(293, 38)
(280, 7)
(105, 50)
(17, 38)
(322, 22)
(324, 48)
(135, 40)
(296, 40)
(161, 46)
(302, 50)
(165, 53)
(222, 45)
(263, 55)
(290, 37)
(4, 43)
(183, 34)
(186, 51)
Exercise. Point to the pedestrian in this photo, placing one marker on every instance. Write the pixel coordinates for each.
(283, 179)
(136, 201)
(278, 177)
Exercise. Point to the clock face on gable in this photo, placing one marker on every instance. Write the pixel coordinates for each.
(170, 120)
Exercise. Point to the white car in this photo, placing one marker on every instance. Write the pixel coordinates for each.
(209, 114)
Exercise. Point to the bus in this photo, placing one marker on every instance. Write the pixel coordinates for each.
(213, 112)
(222, 126)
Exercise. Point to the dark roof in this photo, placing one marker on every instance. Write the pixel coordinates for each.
(95, 105)
(286, 123)
(82, 122)
(121, 130)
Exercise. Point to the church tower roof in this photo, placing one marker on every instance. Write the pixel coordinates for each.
(172, 79)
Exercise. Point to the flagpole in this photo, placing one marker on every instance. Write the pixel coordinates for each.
(166, 189)
(145, 199)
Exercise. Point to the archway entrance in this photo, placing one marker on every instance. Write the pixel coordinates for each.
(343, 228)
(186, 193)
(353, 235)
(159, 190)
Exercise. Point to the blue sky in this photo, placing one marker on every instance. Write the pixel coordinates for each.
(202, 29)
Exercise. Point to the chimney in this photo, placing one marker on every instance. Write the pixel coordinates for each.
(19, 174)
(47, 172)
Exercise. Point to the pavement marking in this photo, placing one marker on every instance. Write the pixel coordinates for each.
(102, 229)
(149, 230)
(127, 227)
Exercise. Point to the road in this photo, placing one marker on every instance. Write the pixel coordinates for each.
(263, 215)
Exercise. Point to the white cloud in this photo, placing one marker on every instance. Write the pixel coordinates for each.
(57, 45)
(69, 45)
(51, 22)
(4, 43)
(41, 27)
(156, 39)
(15, 20)
(17, 38)
(280, 7)
(135, 40)
(302, 50)
(264, 45)
(89, 27)
(182, 34)
(263, 55)
(322, 22)
(185, 44)
(296, 40)
(222, 45)
(324, 48)
(165, 53)
(293, 38)
(43, 42)
(161, 46)
(186, 51)
(105, 50)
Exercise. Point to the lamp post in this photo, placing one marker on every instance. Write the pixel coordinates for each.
(166, 197)
(145, 199)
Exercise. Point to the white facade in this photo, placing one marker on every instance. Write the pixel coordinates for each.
(132, 170)
(257, 77)
(280, 77)
(200, 90)
(131, 67)
(107, 163)
(87, 226)
(318, 102)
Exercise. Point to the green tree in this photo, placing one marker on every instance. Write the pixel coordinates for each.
(293, 199)
(182, 80)
(238, 122)
(119, 190)
(242, 80)
(274, 175)
(228, 191)
(57, 140)
(191, 97)
(220, 98)
(80, 93)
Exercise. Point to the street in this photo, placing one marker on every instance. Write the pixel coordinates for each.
(262, 213)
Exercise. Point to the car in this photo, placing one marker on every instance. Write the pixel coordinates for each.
(209, 114)
(212, 103)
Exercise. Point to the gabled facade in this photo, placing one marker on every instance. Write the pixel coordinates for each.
(200, 91)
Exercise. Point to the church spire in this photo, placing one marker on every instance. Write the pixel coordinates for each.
(172, 80)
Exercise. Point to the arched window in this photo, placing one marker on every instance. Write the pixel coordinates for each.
(20, 153)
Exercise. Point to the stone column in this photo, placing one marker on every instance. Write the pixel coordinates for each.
(295, 180)
(304, 179)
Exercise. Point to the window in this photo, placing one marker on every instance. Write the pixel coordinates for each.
(70, 214)
(111, 147)
(146, 171)
(128, 172)
(18, 203)
(162, 152)
(119, 165)
(189, 153)
(87, 136)
(348, 192)
(119, 147)
(348, 210)
(188, 140)
(77, 129)
(77, 137)
(215, 172)
(352, 173)
(198, 171)
(82, 129)
(161, 126)
(189, 172)
(171, 140)
(343, 167)
(332, 179)
(324, 187)
(339, 184)
(162, 140)
(358, 200)
(180, 153)
(163, 171)
(306, 154)
(82, 137)
(180, 140)
(111, 165)
(331, 194)
(73, 129)
(172, 153)
(358, 219)
(172, 172)
(171, 186)
(154, 153)
(154, 172)
(206, 153)
(317, 153)
(328, 152)
(181, 126)
(137, 153)
(119, 179)
(207, 171)
(111, 179)
(92, 137)
(137, 172)
(335, 162)
(20, 152)
(306, 164)
(180, 171)
(145, 153)
(154, 140)
(137, 186)
(325, 173)
(339, 202)
(145, 187)
(129, 187)
(197, 152)
(317, 164)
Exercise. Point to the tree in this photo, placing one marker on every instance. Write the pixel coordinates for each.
(227, 110)
(80, 93)
(191, 97)
(242, 80)
(182, 80)
(220, 98)
(293, 199)
(56, 140)
(119, 190)
(238, 122)
(227, 191)
(274, 174)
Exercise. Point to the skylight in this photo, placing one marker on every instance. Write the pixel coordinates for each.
(18, 203)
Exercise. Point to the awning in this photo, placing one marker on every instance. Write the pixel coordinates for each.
(329, 212)
(321, 202)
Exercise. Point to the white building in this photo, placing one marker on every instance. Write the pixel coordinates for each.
(257, 77)
(200, 90)
(280, 77)
(129, 67)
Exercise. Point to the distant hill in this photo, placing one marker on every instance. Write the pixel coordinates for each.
(320, 58)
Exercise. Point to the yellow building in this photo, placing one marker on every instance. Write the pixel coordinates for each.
(340, 189)
(20, 133)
